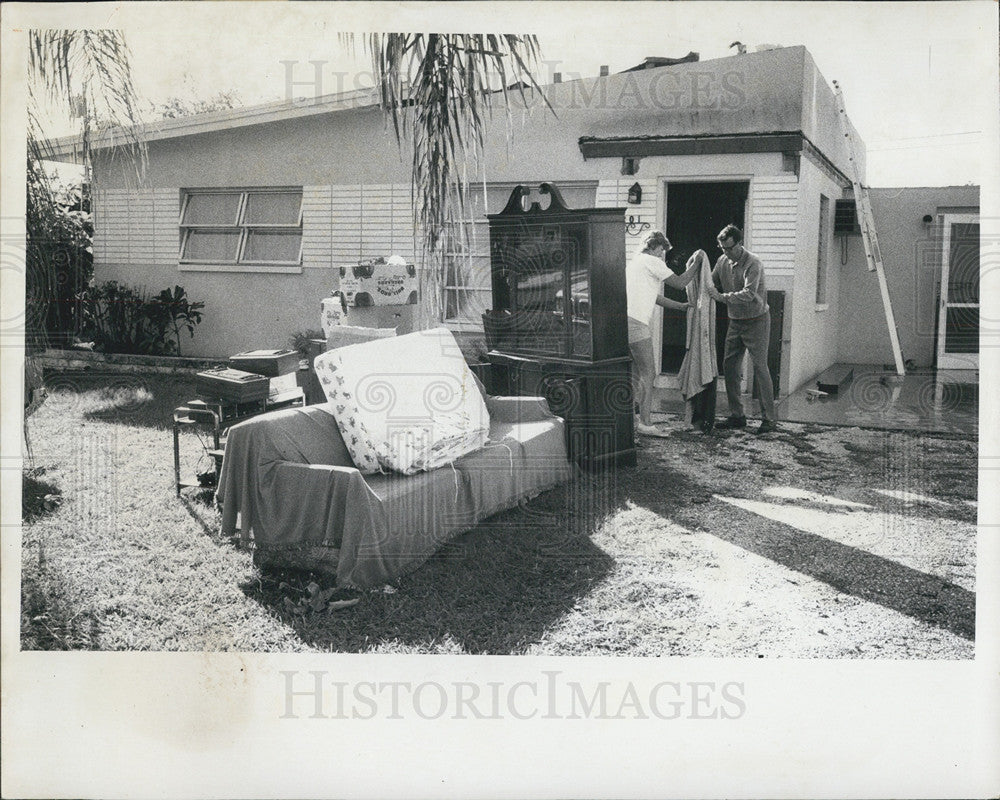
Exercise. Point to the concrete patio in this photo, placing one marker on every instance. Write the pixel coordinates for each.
(932, 401)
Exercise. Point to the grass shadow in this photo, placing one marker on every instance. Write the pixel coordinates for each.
(140, 399)
(920, 595)
(38, 497)
(494, 590)
(47, 620)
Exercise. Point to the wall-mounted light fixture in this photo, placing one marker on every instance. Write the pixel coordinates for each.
(635, 194)
(928, 219)
(634, 225)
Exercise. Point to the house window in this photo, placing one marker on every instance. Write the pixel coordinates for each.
(248, 227)
(467, 283)
(824, 247)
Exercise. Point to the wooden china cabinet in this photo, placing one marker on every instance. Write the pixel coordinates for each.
(558, 324)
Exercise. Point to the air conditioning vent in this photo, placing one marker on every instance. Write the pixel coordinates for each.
(845, 218)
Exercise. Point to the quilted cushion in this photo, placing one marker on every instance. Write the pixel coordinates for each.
(343, 335)
(408, 403)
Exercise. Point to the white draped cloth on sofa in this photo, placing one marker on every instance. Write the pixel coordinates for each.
(289, 478)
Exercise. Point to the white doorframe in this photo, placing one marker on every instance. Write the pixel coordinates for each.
(666, 380)
(951, 360)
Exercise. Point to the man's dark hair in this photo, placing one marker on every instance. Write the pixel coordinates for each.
(731, 232)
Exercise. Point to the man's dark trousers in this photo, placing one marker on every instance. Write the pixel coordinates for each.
(753, 335)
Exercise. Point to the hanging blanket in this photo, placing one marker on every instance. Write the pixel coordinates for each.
(698, 370)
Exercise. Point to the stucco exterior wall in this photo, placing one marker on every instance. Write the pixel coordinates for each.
(911, 252)
(820, 119)
(356, 181)
(348, 147)
(814, 346)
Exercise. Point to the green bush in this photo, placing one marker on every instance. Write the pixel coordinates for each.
(121, 319)
(58, 255)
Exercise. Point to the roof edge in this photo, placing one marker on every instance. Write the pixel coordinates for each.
(67, 147)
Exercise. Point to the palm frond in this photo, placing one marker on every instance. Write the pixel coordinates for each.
(89, 73)
(439, 92)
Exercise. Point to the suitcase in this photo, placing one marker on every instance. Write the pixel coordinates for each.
(231, 384)
(271, 363)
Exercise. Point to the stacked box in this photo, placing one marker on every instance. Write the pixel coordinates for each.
(231, 384)
(333, 310)
(270, 363)
(379, 284)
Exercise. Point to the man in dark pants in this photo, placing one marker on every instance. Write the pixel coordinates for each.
(741, 277)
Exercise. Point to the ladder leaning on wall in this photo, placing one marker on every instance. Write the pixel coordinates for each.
(866, 220)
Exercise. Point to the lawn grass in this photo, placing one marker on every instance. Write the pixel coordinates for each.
(669, 558)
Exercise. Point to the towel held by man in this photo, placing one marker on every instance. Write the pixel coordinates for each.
(697, 375)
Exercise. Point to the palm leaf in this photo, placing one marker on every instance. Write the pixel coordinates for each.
(87, 72)
(437, 91)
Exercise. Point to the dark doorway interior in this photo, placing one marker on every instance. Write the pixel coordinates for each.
(696, 212)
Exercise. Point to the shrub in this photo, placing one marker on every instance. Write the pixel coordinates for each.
(121, 319)
(300, 340)
(58, 256)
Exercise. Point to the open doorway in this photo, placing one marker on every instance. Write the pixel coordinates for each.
(958, 310)
(696, 212)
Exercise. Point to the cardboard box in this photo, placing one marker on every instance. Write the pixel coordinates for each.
(379, 284)
(231, 384)
(403, 318)
(266, 362)
(332, 313)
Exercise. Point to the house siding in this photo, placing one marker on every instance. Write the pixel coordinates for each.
(771, 222)
(317, 227)
(137, 229)
(357, 198)
(612, 193)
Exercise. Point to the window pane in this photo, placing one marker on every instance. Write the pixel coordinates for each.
(211, 246)
(273, 208)
(963, 269)
(961, 333)
(471, 296)
(211, 209)
(466, 305)
(273, 246)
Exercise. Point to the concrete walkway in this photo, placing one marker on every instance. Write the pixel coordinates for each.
(925, 400)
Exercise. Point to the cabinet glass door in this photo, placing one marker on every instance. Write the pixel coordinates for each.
(537, 292)
(578, 277)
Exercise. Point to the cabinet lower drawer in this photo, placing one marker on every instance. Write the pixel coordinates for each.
(597, 407)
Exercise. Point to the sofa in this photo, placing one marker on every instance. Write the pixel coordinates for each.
(407, 452)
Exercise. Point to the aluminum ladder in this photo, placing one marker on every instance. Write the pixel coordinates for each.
(866, 219)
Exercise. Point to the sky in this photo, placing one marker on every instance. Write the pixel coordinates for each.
(919, 78)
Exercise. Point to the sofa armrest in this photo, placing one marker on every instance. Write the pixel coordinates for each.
(297, 504)
(519, 409)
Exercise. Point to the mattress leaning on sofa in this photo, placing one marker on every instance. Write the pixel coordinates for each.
(288, 481)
